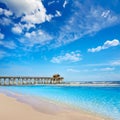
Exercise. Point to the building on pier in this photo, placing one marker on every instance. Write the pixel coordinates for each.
(26, 80)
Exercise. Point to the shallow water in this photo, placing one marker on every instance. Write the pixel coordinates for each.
(102, 100)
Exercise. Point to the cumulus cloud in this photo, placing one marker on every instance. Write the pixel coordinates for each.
(29, 35)
(67, 57)
(37, 18)
(17, 29)
(82, 17)
(5, 21)
(5, 17)
(27, 26)
(21, 7)
(38, 37)
(5, 12)
(112, 43)
(35, 13)
(28, 18)
(106, 45)
(8, 44)
(2, 36)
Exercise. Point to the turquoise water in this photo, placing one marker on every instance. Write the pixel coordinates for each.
(102, 100)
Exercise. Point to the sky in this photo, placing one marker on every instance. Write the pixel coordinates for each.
(79, 39)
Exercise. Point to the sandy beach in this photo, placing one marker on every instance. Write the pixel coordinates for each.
(12, 109)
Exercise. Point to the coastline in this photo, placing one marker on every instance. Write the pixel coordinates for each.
(88, 85)
(18, 108)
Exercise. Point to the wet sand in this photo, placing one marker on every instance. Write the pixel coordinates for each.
(27, 108)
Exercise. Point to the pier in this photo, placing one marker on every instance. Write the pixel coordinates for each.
(26, 80)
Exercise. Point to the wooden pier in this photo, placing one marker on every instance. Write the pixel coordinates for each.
(26, 80)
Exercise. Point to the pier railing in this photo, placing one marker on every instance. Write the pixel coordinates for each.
(26, 80)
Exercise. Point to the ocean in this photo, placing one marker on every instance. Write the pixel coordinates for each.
(100, 100)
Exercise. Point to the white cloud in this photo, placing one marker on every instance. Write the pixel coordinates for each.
(5, 12)
(65, 3)
(106, 45)
(17, 29)
(82, 17)
(73, 70)
(2, 36)
(21, 7)
(32, 11)
(5, 21)
(115, 63)
(29, 35)
(67, 57)
(106, 64)
(97, 49)
(85, 20)
(50, 3)
(8, 13)
(105, 13)
(112, 43)
(5, 18)
(2, 54)
(37, 18)
(101, 69)
(107, 69)
(38, 37)
(8, 44)
(1, 11)
(27, 26)
(58, 13)
(104, 69)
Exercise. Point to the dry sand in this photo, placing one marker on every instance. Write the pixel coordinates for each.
(11, 109)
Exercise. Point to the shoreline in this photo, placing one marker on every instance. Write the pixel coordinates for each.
(72, 84)
(43, 109)
(90, 85)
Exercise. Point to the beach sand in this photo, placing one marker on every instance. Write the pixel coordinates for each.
(12, 109)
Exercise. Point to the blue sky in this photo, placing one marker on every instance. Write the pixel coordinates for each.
(78, 39)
